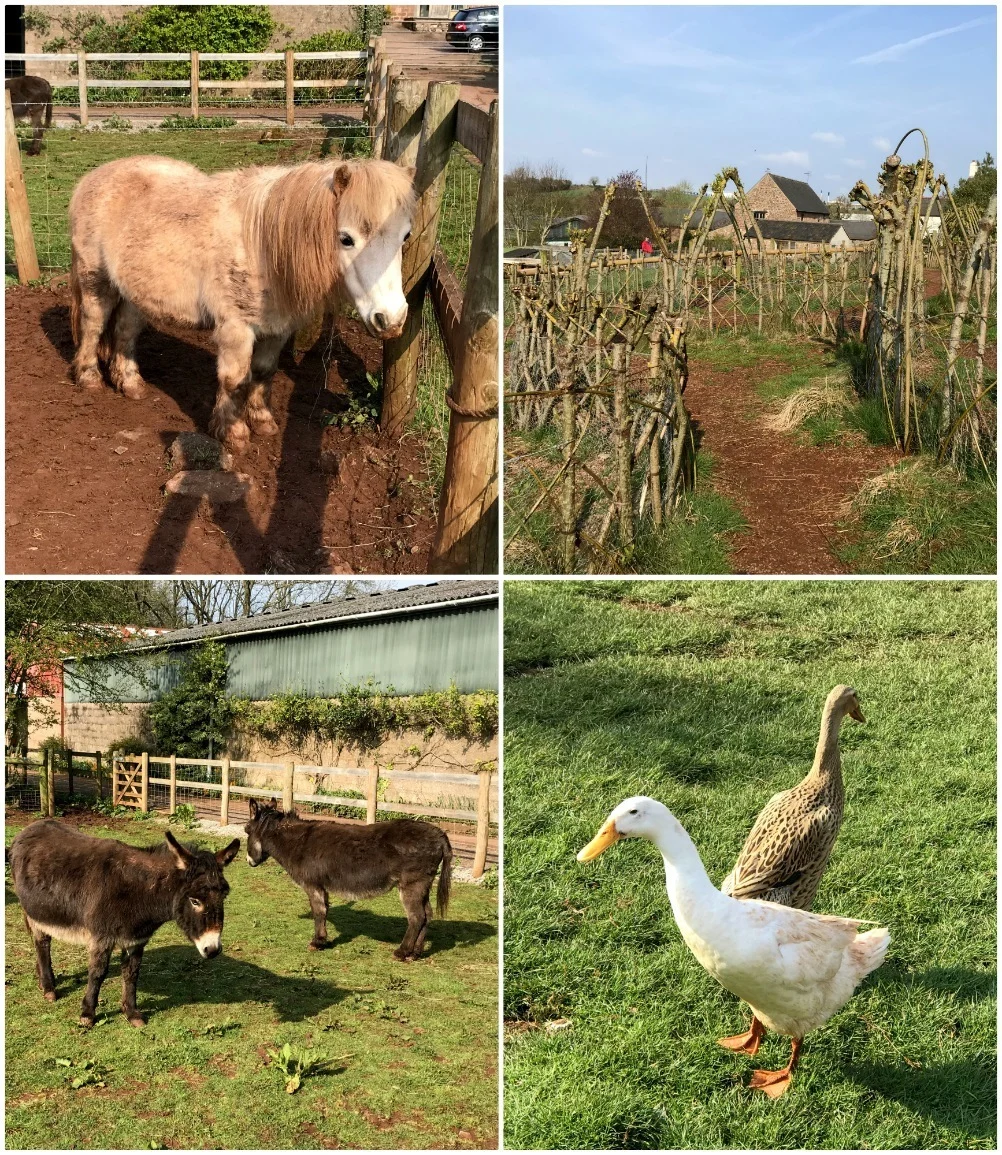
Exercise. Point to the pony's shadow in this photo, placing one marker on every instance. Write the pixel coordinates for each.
(186, 372)
(175, 976)
(347, 922)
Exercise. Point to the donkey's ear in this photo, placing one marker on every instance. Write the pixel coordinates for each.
(228, 853)
(273, 804)
(182, 856)
(341, 178)
(252, 806)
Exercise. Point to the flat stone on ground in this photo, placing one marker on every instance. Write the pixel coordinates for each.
(220, 488)
(198, 451)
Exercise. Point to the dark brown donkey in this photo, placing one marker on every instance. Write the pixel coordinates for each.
(31, 98)
(356, 862)
(99, 893)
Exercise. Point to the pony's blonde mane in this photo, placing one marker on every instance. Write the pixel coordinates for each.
(296, 224)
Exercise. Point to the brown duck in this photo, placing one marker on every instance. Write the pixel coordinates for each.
(788, 848)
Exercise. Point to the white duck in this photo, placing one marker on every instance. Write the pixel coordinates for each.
(794, 968)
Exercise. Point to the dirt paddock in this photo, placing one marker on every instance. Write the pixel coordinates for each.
(86, 470)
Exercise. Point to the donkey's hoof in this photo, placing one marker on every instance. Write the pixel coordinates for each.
(401, 956)
(49, 996)
(135, 1020)
(86, 1020)
(89, 378)
(319, 945)
(262, 422)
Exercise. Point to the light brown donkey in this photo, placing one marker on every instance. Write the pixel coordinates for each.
(251, 254)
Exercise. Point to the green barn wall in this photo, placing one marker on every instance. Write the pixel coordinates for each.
(410, 653)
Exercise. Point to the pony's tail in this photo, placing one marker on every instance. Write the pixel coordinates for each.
(76, 300)
(445, 878)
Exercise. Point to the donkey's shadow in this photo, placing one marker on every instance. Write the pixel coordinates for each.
(174, 976)
(347, 922)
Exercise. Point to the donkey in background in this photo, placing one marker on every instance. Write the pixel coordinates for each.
(356, 862)
(251, 253)
(31, 99)
(104, 895)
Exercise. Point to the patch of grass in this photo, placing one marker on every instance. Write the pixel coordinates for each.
(708, 696)
(725, 351)
(200, 1074)
(920, 518)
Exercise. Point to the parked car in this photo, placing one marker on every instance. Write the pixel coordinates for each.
(474, 29)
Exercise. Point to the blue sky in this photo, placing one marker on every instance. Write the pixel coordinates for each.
(813, 89)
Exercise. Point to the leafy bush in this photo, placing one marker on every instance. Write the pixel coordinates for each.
(180, 123)
(184, 815)
(194, 719)
(296, 1064)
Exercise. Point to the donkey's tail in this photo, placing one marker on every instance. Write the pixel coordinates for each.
(76, 300)
(444, 878)
(48, 112)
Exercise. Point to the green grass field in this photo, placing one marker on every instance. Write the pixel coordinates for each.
(408, 1052)
(707, 695)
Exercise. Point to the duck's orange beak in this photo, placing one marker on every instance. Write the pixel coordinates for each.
(607, 835)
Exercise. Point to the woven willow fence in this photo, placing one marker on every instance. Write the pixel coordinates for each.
(934, 384)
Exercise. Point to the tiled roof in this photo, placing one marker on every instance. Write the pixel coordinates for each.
(800, 194)
(812, 232)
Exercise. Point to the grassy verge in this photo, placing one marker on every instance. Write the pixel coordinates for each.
(407, 1053)
(707, 695)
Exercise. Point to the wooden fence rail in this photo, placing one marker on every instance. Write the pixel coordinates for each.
(131, 782)
(194, 83)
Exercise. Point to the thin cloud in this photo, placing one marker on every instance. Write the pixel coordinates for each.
(667, 52)
(896, 51)
(591, 152)
(881, 142)
(854, 163)
(789, 157)
(828, 137)
(824, 26)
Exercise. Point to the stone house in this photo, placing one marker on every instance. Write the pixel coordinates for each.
(780, 198)
(807, 236)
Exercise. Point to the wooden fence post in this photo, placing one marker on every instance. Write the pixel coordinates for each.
(290, 87)
(624, 448)
(17, 201)
(114, 781)
(144, 764)
(82, 86)
(467, 537)
(173, 783)
(400, 354)
(43, 783)
(69, 770)
(381, 85)
(100, 774)
(51, 800)
(372, 796)
(483, 823)
(288, 796)
(194, 85)
(224, 803)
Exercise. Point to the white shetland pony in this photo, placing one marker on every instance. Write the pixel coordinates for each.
(252, 254)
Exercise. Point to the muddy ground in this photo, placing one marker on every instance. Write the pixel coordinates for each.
(86, 470)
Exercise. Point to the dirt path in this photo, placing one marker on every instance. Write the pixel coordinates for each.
(788, 493)
(85, 470)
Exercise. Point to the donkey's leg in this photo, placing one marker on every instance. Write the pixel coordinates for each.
(419, 941)
(35, 147)
(263, 366)
(123, 370)
(98, 959)
(97, 302)
(132, 960)
(318, 904)
(43, 961)
(412, 895)
(235, 343)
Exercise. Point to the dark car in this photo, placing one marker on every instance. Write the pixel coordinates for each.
(475, 29)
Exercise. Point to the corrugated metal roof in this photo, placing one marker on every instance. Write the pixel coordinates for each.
(417, 598)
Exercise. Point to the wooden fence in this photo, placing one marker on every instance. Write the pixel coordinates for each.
(412, 124)
(131, 782)
(194, 83)
(46, 767)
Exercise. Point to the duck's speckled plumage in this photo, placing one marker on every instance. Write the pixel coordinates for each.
(788, 848)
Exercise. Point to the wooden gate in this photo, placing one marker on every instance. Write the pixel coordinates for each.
(129, 782)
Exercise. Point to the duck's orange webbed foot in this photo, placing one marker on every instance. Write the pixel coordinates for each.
(748, 1042)
(774, 1083)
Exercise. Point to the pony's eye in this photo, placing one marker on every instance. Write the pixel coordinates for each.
(347, 241)
(197, 904)
(407, 235)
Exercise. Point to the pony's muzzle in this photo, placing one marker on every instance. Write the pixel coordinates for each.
(385, 325)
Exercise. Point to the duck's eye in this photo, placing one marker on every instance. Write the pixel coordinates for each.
(197, 904)
(347, 240)
(634, 811)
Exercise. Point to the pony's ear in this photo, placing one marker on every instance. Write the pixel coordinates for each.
(182, 856)
(411, 172)
(228, 853)
(341, 178)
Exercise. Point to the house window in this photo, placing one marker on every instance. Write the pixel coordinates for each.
(759, 214)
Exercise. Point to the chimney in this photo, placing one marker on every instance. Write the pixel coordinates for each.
(973, 170)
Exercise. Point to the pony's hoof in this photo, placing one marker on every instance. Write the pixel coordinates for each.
(89, 378)
(49, 996)
(237, 437)
(134, 388)
(263, 423)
